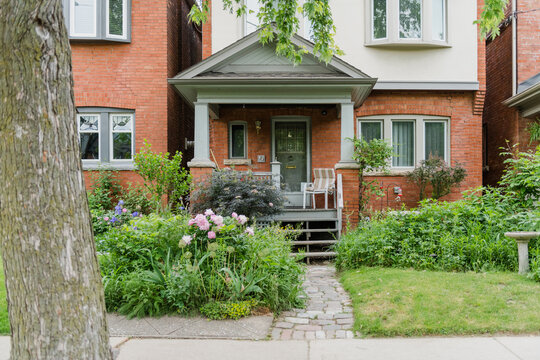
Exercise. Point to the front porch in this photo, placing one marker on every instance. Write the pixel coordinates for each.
(257, 111)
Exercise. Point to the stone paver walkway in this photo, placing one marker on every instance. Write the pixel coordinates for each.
(328, 314)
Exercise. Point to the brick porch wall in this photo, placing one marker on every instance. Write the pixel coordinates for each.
(465, 143)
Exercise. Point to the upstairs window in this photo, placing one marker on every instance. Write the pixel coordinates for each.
(406, 22)
(251, 21)
(108, 20)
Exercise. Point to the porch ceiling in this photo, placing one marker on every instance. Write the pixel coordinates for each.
(248, 73)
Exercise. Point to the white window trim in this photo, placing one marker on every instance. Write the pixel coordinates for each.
(419, 137)
(111, 137)
(422, 21)
(72, 20)
(415, 135)
(124, 21)
(243, 123)
(245, 20)
(446, 138)
(371, 30)
(90, 161)
(393, 38)
(379, 121)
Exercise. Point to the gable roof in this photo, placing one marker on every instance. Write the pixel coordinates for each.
(248, 62)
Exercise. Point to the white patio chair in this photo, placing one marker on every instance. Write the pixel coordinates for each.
(324, 182)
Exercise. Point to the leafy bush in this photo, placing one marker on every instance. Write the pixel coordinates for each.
(163, 175)
(104, 189)
(103, 221)
(459, 236)
(373, 155)
(223, 310)
(161, 264)
(522, 176)
(137, 199)
(440, 176)
(229, 191)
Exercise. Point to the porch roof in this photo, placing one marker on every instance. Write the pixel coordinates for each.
(248, 72)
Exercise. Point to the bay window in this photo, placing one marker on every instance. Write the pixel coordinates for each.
(406, 23)
(107, 20)
(106, 136)
(413, 137)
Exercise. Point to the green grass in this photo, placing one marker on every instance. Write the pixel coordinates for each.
(398, 302)
(4, 321)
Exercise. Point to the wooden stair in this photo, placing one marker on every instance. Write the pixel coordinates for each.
(318, 230)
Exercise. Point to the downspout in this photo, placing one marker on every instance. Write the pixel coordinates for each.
(514, 48)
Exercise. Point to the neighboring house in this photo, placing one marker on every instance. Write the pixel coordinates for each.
(413, 73)
(123, 51)
(513, 85)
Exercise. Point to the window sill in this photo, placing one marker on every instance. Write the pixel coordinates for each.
(127, 165)
(95, 40)
(391, 172)
(229, 162)
(408, 44)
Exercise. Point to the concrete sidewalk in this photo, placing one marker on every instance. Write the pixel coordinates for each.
(429, 348)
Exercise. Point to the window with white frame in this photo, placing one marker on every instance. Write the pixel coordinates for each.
(406, 22)
(237, 140)
(98, 19)
(413, 137)
(106, 136)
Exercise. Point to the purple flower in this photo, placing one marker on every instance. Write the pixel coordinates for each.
(121, 202)
(114, 219)
(117, 209)
(135, 214)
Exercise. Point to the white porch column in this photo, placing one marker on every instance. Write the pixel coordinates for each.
(202, 137)
(347, 131)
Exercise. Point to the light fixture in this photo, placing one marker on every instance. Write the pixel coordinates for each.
(258, 126)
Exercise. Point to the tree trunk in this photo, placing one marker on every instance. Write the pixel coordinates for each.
(54, 290)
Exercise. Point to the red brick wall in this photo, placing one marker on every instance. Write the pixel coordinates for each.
(528, 39)
(134, 75)
(465, 136)
(465, 143)
(504, 123)
(207, 34)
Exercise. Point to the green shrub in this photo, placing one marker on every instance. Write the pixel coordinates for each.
(104, 189)
(227, 191)
(163, 175)
(189, 262)
(136, 198)
(459, 236)
(521, 177)
(232, 310)
(440, 176)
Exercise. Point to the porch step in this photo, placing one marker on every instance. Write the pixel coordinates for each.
(326, 254)
(314, 242)
(313, 230)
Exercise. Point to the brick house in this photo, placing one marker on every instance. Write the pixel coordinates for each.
(123, 51)
(413, 73)
(513, 85)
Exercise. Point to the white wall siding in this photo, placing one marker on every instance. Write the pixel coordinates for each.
(457, 63)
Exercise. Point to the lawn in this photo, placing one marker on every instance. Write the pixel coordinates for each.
(398, 302)
(4, 322)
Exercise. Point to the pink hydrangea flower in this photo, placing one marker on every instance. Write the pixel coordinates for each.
(106, 218)
(204, 225)
(211, 235)
(124, 210)
(234, 215)
(192, 222)
(208, 212)
(271, 204)
(187, 239)
(250, 231)
(217, 219)
(242, 219)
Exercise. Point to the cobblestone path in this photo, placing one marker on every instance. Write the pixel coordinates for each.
(328, 314)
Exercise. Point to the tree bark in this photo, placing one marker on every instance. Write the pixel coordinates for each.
(54, 290)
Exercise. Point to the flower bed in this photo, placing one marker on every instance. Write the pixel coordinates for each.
(177, 264)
